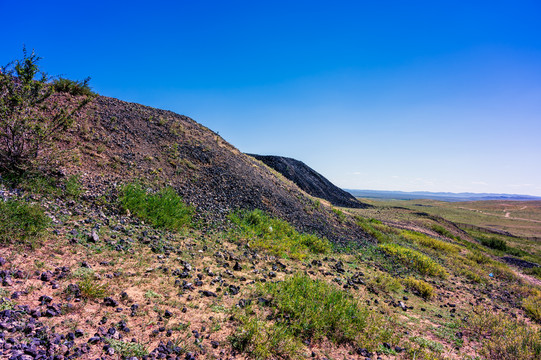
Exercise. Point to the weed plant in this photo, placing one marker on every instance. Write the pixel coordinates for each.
(276, 236)
(163, 209)
(127, 350)
(91, 288)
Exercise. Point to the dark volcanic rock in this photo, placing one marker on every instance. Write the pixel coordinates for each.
(309, 180)
(519, 262)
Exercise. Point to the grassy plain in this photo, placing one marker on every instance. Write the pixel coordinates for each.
(520, 218)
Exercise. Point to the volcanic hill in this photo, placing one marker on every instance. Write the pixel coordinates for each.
(310, 180)
(128, 141)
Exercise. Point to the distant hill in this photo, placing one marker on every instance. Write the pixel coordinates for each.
(310, 180)
(442, 196)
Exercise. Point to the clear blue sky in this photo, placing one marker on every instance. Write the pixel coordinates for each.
(389, 95)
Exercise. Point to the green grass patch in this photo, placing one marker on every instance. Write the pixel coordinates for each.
(532, 306)
(162, 209)
(22, 223)
(414, 260)
(41, 184)
(276, 236)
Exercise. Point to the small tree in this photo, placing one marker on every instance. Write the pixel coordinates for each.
(31, 115)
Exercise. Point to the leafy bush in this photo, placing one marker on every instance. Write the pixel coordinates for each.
(419, 287)
(30, 116)
(414, 259)
(76, 88)
(313, 309)
(164, 208)
(277, 236)
(505, 338)
(21, 222)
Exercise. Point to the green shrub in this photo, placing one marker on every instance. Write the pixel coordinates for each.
(276, 236)
(414, 259)
(442, 231)
(383, 282)
(494, 243)
(31, 118)
(479, 257)
(21, 222)
(375, 229)
(41, 184)
(73, 87)
(164, 209)
(313, 309)
(419, 287)
(429, 242)
(532, 306)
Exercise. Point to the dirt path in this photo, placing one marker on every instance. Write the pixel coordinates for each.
(507, 214)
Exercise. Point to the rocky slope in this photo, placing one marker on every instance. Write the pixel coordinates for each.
(102, 282)
(119, 141)
(310, 180)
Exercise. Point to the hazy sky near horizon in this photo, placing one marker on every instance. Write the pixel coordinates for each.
(383, 95)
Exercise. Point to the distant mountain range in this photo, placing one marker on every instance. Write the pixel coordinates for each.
(442, 196)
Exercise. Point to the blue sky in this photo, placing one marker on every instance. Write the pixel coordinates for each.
(387, 95)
